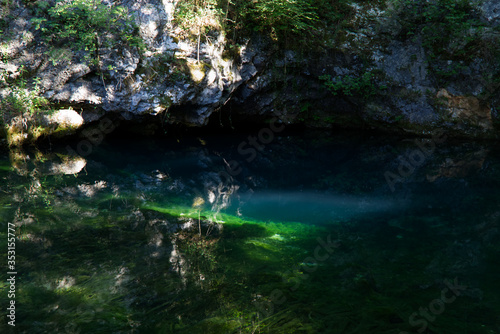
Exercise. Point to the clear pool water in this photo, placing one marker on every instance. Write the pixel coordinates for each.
(316, 233)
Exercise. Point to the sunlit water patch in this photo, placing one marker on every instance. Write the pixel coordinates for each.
(311, 207)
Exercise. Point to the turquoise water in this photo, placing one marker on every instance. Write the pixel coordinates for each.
(313, 234)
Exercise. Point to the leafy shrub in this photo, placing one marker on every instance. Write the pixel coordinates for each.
(196, 16)
(349, 85)
(19, 109)
(447, 27)
(281, 18)
(86, 25)
(22, 99)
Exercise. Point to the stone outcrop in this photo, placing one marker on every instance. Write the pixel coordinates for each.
(256, 82)
(466, 109)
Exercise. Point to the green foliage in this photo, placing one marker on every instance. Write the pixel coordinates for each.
(198, 15)
(20, 109)
(349, 85)
(5, 18)
(332, 12)
(3, 24)
(453, 36)
(22, 98)
(282, 18)
(87, 25)
(447, 27)
(450, 30)
(283, 21)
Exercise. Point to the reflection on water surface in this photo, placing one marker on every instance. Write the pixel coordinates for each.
(151, 236)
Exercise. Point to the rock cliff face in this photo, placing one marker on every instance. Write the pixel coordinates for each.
(258, 81)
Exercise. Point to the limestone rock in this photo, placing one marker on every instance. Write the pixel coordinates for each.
(257, 81)
(65, 118)
(466, 109)
(491, 10)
